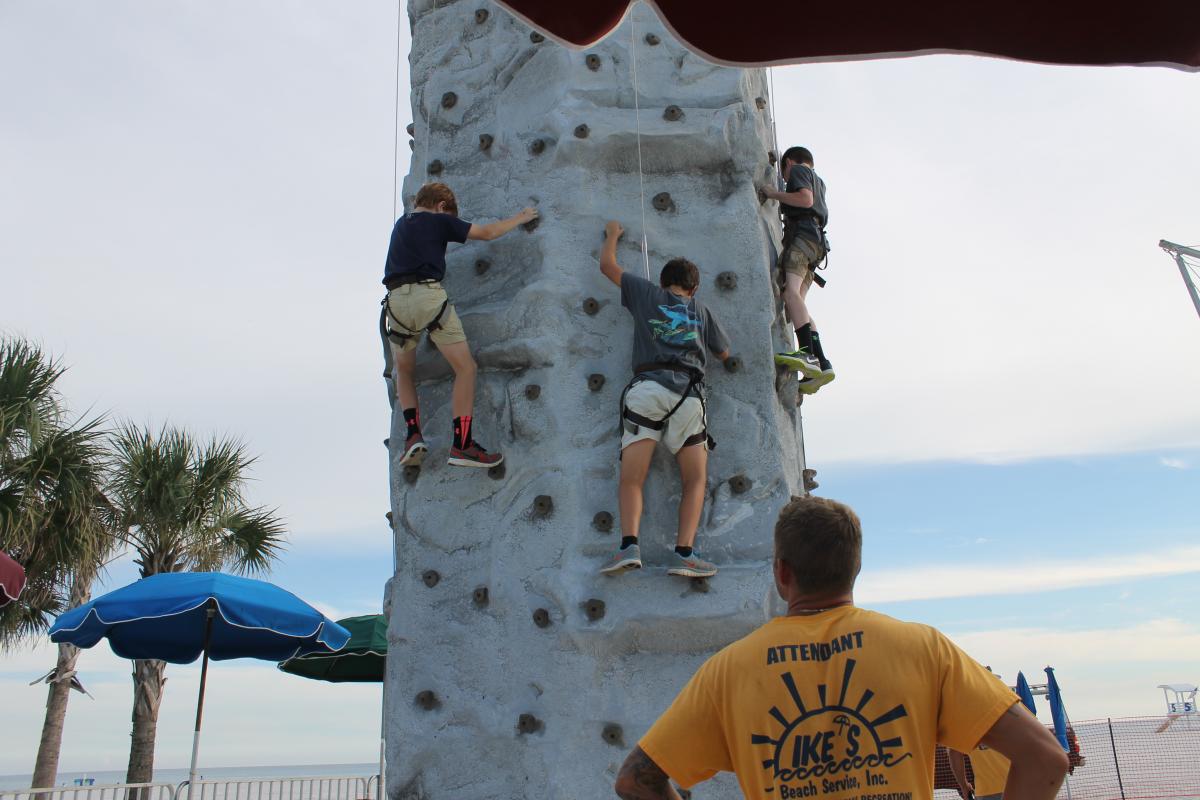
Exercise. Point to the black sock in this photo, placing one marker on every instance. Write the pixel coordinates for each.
(683, 551)
(818, 351)
(462, 432)
(804, 337)
(412, 418)
(628, 540)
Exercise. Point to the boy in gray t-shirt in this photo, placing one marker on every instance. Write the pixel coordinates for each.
(665, 400)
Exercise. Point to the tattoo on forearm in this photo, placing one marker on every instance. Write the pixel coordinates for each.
(642, 779)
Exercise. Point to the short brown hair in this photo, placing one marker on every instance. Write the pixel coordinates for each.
(679, 272)
(821, 542)
(433, 193)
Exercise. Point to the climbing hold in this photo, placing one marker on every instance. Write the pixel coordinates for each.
(536, 37)
(591, 306)
(761, 102)
(700, 585)
(594, 609)
(543, 505)
(427, 700)
(412, 145)
(497, 472)
(531, 226)
(430, 577)
(613, 734)
(532, 392)
(481, 15)
(673, 113)
(810, 479)
(485, 141)
(603, 521)
(387, 442)
(727, 281)
(733, 364)
(541, 618)
(652, 39)
(411, 473)
(595, 381)
(537, 146)
(592, 61)
(449, 100)
(528, 723)
(410, 128)
(663, 202)
(581, 131)
(482, 265)
(772, 157)
(435, 167)
(389, 519)
(480, 596)
(740, 484)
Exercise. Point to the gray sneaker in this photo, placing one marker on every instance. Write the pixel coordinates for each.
(692, 566)
(806, 363)
(623, 561)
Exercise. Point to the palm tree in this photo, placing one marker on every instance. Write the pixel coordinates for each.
(180, 506)
(52, 518)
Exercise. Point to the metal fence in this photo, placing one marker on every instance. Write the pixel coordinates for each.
(323, 787)
(1134, 758)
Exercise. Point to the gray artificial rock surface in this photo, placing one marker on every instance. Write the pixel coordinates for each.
(485, 660)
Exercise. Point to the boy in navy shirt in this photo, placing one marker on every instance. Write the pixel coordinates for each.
(416, 301)
(665, 401)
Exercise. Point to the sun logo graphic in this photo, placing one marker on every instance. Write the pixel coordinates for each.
(831, 740)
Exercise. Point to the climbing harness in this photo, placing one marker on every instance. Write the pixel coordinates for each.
(632, 420)
(637, 119)
(396, 331)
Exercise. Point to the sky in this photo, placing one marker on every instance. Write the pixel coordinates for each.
(195, 199)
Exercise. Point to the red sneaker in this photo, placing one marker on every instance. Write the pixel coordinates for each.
(473, 455)
(414, 451)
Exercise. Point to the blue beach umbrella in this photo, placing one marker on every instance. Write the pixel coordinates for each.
(180, 616)
(1025, 694)
(1058, 713)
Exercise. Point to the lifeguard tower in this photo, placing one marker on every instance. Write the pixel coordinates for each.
(1181, 703)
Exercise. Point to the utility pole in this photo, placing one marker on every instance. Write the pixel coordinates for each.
(1188, 259)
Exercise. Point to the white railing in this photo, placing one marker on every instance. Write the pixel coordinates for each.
(111, 791)
(323, 787)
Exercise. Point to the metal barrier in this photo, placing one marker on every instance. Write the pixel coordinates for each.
(322, 787)
(111, 791)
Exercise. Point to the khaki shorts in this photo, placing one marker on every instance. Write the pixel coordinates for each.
(652, 400)
(801, 257)
(415, 305)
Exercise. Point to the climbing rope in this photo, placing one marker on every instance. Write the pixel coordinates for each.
(637, 118)
(396, 120)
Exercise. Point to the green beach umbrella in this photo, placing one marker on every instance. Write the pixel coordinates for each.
(362, 660)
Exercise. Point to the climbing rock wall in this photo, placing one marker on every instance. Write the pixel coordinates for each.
(515, 670)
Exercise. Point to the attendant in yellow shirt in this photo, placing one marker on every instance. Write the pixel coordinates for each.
(832, 700)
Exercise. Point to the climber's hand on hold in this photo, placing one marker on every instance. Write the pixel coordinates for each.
(769, 192)
(608, 253)
(527, 215)
(613, 229)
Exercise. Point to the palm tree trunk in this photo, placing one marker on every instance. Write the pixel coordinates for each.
(45, 770)
(148, 682)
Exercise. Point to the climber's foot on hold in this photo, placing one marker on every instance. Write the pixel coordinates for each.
(473, 455)
(624, 560)
(691, 566)
(800, 360)
(810, 385)
(414, 451)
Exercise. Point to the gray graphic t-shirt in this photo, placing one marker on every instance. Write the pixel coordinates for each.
(669, 330)
(806, 222)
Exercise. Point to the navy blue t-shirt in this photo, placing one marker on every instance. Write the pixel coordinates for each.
(418, 248)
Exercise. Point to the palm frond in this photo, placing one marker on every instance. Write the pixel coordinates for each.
(252, 538)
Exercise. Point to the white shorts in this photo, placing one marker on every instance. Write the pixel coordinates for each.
(654, 401)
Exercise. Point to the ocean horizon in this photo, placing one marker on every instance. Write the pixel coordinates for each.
(177, 775)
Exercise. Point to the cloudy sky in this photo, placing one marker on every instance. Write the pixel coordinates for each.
(195, 199)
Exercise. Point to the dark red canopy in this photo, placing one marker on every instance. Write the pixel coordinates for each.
(764, 32)
(12, 579)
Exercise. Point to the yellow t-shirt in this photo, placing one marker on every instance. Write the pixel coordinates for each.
(847, 704)
(991, 771)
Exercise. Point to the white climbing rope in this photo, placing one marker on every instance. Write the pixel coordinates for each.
(396, 119)
(774, 127)
(637, 118)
